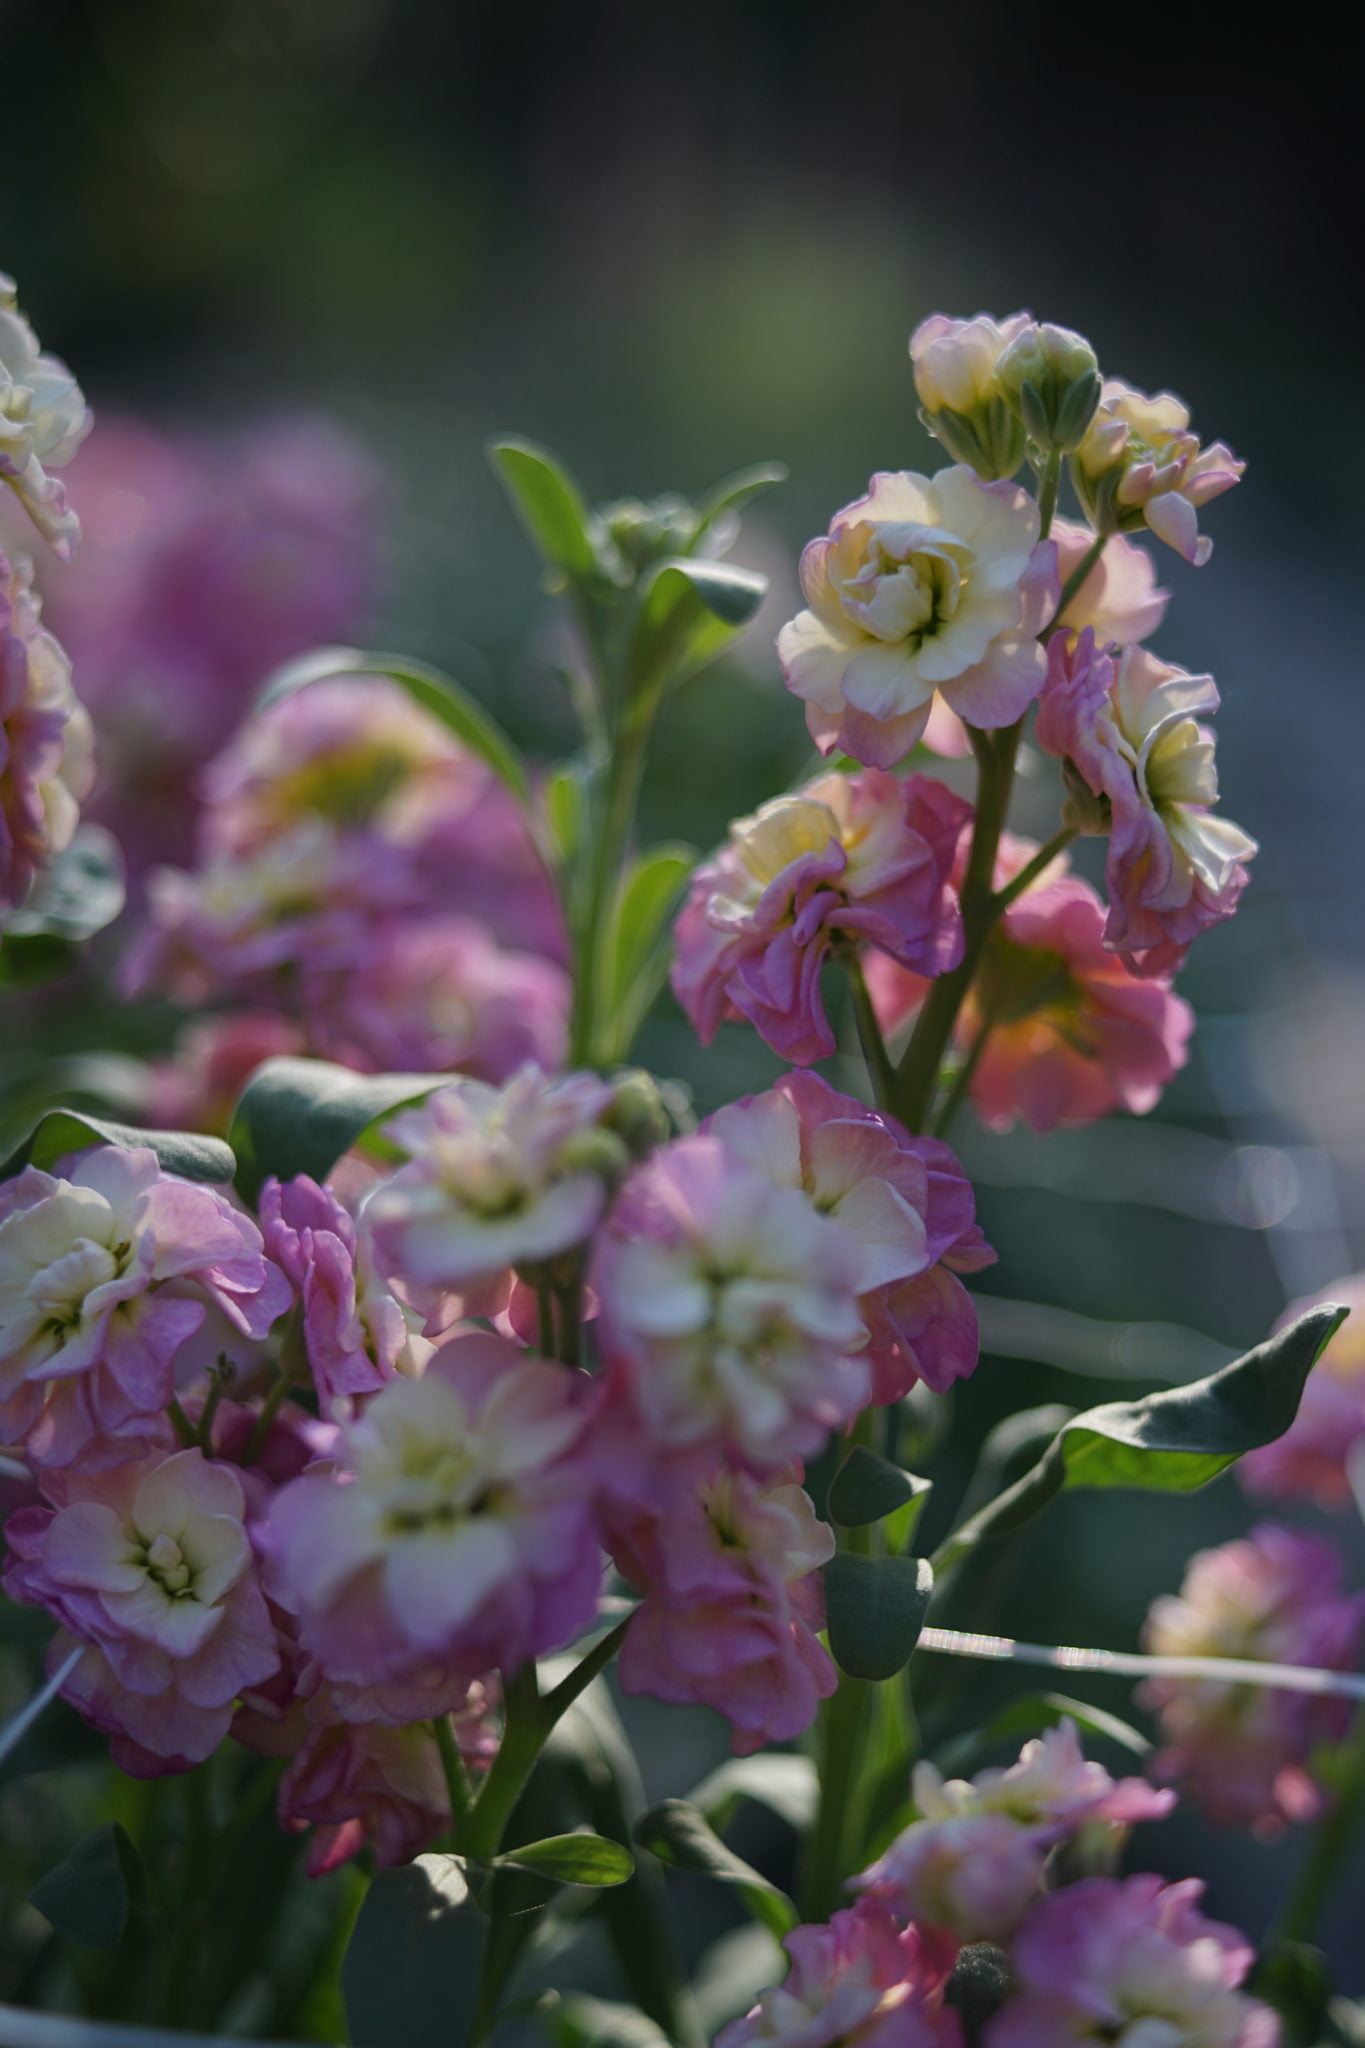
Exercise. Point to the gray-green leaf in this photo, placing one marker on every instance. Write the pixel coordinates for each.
(411, 1968)
(299, 1116)
(875, 1608)
(680, 1836)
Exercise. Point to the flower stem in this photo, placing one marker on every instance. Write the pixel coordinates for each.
(1047, 492)
(962, 1080)
(1077, 578)
(880, 1071)
(1327, 1848)
(457, 1784)
(1027, 876)
(624, 773)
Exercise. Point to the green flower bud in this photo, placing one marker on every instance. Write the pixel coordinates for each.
(637, 1114)
(1050, 379)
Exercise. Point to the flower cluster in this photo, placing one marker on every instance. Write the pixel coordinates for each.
(43, 420)
(46, 742)
(366, 877)
(956, 1936)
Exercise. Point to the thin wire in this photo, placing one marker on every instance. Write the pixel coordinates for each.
(18, 1728)
(1129, 1664)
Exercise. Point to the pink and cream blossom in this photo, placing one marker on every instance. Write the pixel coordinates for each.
(43, 420)
(47, 762)
(926, 584)
(1140, 464)
(1133, 1962)
(456, 1523)
(847, 860)
(858, 1982)
(1243, 1752)
(964, 404)
(150, 1567)
(733, 1603)
(104, 1274)
(1119, 599)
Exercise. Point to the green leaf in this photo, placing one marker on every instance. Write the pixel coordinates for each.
(867, 1488)
(1033, 1711)
(78, 895)
(437, 693)
(638, 940)
(1175, 1440)
(875, 1608)
(411, 1968)
(299, 1116)
(549, 505)
(579, 2021)
(574, 1859)
(565, 807)
(784, 1783)
(690, 613)
(680, 1836)
(734, 493)
(59, 1131)
(89, 1897)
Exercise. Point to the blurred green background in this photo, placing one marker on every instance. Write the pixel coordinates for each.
(671, 241)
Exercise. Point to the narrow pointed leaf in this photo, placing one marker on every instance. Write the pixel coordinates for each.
(691, 611)
(299, 1116)
(549, 505)
(734, 493)
(574, 1859)
(680, 1836)
(59, 1131)
(785, 1784)
(411, 1968)
(1033, 1711)
(875, 1608)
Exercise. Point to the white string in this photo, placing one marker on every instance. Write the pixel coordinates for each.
(11, 1737)
(1129, 1664)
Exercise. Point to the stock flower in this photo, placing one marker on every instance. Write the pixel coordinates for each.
(1130, 1961)
(43, 420)
(1050, 378)
(356, 1333)
(1129, 723)
(1313, 1457)
(847, 859)
(46, 742)
(964, 404)
(1273, 1596)
(925, 584)
(858, 1982)
(1139, 463)
(495, 1178)
(438, 993)
(733, 1600)
(973, 1862)
(729, 1312)
(905, 1201)
(1119, 599)
(149, 1566)
(104, 1274)
(457, 1522)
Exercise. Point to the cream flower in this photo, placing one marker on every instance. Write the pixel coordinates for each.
(1139, 463)
(43, 420)
(927, 583)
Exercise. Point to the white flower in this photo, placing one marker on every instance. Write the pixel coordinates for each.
(43, 420)
(927, 583)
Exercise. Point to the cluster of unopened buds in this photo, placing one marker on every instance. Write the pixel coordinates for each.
(509, 1356)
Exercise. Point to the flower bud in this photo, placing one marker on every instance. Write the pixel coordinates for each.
(637, 1113)
(1138, 463)
(598, 1152)
(960, 397)
(1050, 379)
(644, 534)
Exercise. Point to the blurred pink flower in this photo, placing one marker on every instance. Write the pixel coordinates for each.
(1313, 1456)
(733, 1601)
(104, 1274)
(848, 859)
(1241, 1751)
(195, 1087)
(926, 583)
(1128, 723)
(1052, 1788)
(46, 742)
(150, 1566)
(1119, 599)
(858, 1982)
(457, 1523)
(1139, 463)
(728, 1313)
(905, 1200)
(1129, 1960)
(356, 1333)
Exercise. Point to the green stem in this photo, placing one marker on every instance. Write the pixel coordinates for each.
(962, 1080)
(1047, 492)
(181, 1424)
(457, 1784)
(880, 1071)
(562, 1696)
(1027, 876)
(624, 773)
(1327, 1849)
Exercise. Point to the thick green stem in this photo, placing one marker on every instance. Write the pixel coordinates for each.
(1328, 1846)
(457, 1784)
(624, 773)
(880, 1071)
(523, 1738)
(1047, 492)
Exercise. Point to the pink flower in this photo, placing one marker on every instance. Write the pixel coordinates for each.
(728, 1314)
(907, 1203)
(1052, 1788)
(860, 1982)
(1313, 1456)
(733, 1602)
(1128, 723)
(104, 1274)
(457, 1523)
(1139, 463)
(436, 993)
(197, 1087)
(495, 1178)
(1274, 1596)
(926, 583)
(356, 1333)
(46, 743)
(150, 1566)
(1130, 1961)
(1119, 599)
(849, 859)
